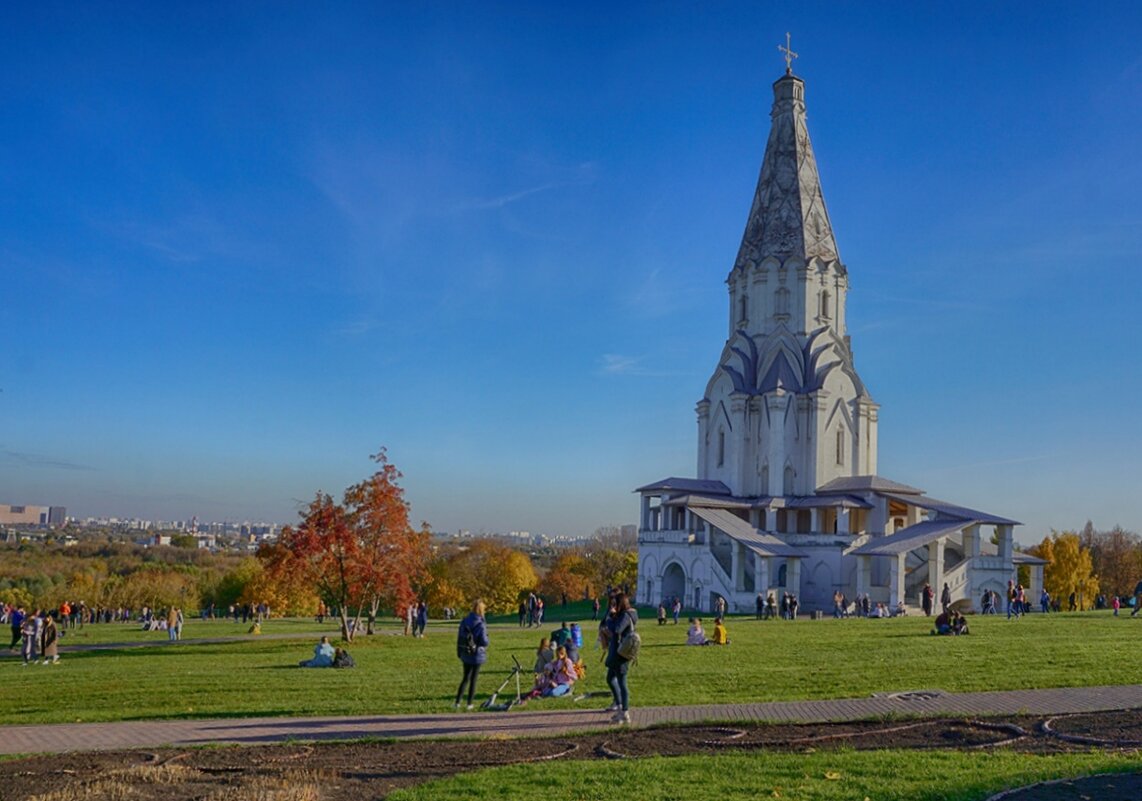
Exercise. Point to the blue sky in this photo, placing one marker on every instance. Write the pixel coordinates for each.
(244, 245)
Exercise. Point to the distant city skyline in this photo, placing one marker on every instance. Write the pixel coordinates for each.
(244, 247)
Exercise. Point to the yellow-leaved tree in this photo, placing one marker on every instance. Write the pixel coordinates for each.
(1069, 569)
(485, 569)
(572, 575)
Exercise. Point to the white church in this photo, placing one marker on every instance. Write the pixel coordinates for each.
(787, 496)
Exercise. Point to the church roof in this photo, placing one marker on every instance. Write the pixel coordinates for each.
(743, 532)
(788, 217)
(867, 484)
(951, 509)
(911, 537)
(827, 502)
(718, 501)
(700, 485)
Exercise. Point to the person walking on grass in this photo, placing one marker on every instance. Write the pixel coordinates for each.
(472, 649)
(16, 621)
(29, 633)
(621, 622)
(49, 640)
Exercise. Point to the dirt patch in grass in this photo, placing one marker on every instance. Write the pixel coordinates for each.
(358, 771)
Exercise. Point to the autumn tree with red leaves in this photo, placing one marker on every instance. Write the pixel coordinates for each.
(357, 555)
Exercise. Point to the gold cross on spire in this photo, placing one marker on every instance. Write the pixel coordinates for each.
(789, 55)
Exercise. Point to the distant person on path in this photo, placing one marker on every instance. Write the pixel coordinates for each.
(594, 610)
(759, 606)
(523, 611)
(1012, 600)
(622, 621)
(49, 640)
(926, 598)
(1117, 604)
(676, 609)
(323, 654)
(1071, 605)
(1137, 598)
(946, 597)
(1045, 601)
(662, 614)
(16, 621)
(421, 619)
(29, 631)
(472, 649)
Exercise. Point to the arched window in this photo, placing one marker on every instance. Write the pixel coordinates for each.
(743, 311)
(840, 446)
(721, 448)
(825, 311)
(789, 474)
(781, 303)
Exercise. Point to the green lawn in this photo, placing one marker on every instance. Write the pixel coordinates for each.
(194, 628)
(820, 776)
(772, 660)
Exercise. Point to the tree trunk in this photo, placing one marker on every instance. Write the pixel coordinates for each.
(346, 632)
(371, 625)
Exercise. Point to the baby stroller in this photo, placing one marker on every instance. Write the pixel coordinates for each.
(491, 704)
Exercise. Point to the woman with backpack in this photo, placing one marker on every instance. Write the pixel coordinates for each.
(621, 623)
(472, 649)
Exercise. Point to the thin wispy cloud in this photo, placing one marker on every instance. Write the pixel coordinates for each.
(500, 201)
(619, 364)
(354, 328)
(40, 461)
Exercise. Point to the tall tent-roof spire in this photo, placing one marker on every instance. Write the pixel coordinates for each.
(788, 217)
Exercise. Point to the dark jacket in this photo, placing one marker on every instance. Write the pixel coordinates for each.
(475, 624)
(617, 627)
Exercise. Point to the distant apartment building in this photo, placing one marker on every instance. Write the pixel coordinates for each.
(32, 515)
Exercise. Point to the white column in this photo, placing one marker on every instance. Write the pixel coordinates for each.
(735, 565)
(793, 576)
(815, 520)
(770, 519)
(896, 581)
(761, 573)
(936, 565)
(843, 518)
(1006, 545)
(971, 541)
(777, 402)
(863, 574)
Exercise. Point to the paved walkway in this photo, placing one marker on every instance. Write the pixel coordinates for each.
(530, 721)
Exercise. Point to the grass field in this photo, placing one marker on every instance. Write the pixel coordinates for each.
(821, 776)
(771, 660)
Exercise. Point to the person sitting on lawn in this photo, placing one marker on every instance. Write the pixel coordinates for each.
(557, 678)
(943, 624)
(322, 655)
(696, 636)
(342, 659)
(544, 654)
(959, 623)
(720, 635)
